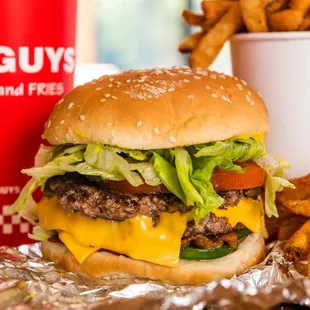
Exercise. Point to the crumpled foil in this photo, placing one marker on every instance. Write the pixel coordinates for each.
(28, 282)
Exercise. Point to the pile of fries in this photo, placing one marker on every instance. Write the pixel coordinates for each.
(293, 224)
(221, 19)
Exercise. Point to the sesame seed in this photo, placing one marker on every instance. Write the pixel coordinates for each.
(42, 137)
(48, 124)
(224, 98)
(243, 82)
(111, 79)
(248, 98)
(139, 123)
(62, 122)
(70, 105)
(236, 78)
(222, 76)
(107, 95)
(186, 81)
(240, 86)
(149, 97)
(114, 97)
(249, 93)
(208, 87)
(110, 85)
(93, 83)
(98, 88)
(128, 81)
(82, 117)
(156, 131)
(228, 100)
(252, 102)
(180, 71)
(197, 77)
(191, 96)
(171, 89)
(61, 101)
(214, 95)
(172, 139)
(103, 100)
(213, 76)
(222, 87)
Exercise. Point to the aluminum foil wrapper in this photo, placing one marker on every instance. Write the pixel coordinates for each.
(28, 282)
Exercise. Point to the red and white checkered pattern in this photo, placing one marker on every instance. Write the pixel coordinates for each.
(8, 222)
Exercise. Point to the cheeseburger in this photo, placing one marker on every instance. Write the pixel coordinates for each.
(159, 174)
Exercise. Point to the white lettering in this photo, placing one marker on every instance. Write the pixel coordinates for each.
(8, 63)
(34, 64)
(46, 89)
(54, 57)
(12, 91)
(5, 190)
(69, 59)
(24, 59)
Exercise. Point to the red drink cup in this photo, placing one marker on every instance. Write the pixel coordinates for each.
(37, 58)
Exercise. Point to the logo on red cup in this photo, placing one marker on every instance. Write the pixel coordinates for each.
(37, 58)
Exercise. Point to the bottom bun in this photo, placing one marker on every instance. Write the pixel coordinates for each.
(250, 252)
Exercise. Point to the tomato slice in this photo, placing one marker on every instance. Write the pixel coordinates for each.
(125, 187)
(253, 176)
(222, 180)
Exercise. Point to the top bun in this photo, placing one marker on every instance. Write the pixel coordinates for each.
(157, 108)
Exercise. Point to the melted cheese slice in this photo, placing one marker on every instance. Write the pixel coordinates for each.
(135, 237)
(248, 212)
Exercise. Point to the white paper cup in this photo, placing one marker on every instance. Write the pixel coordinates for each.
(277, 65)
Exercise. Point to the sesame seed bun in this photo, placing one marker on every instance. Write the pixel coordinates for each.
(250, 252)
(158, 108)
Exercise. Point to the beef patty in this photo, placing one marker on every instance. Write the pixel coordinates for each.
(92, 199)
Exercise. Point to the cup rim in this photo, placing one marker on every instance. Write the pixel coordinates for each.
(272, 36)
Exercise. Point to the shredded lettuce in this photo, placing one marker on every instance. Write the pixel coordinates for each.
(275, 181)
(40, 234)
(185, 171)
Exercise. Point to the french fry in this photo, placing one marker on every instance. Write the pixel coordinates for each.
(276, 6)
(190, 42)
(298, 247)
(302, 5)
(301, 192)
(300, 207)
(213, 12)
(287, 20)
(305, 25)
(254, 15)
(210, 45)
(289, 226)
(192, 18)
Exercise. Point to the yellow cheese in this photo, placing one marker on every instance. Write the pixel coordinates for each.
(248, 212)
(135, 237)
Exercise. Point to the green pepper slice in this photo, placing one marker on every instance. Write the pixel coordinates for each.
(204, 254)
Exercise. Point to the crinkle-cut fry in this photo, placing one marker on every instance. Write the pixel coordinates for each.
(190, 42)
(286, 20)
(298, 246)
(254, 15)
(211, 44)
(193, 19)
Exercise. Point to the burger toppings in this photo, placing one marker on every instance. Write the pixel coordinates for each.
(89, 198)
(201, 196)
